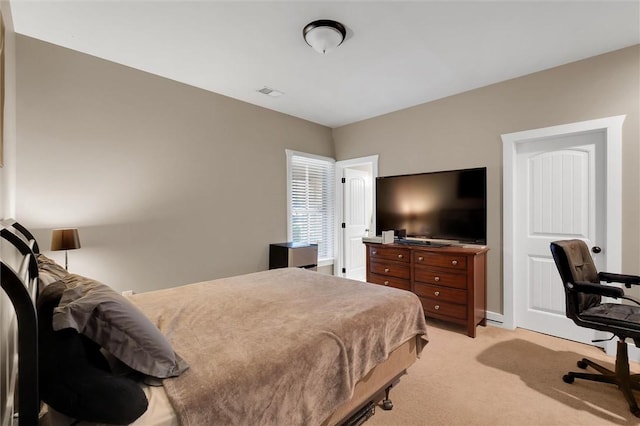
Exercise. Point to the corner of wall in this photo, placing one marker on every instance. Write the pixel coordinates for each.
(9, 143)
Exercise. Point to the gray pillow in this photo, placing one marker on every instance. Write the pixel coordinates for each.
(110, 320)
(49, 271)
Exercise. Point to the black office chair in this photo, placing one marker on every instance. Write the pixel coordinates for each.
(584, 291)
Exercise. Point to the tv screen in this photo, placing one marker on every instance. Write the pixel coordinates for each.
(447, 205)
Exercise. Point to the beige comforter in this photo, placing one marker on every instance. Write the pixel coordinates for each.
(280, 347)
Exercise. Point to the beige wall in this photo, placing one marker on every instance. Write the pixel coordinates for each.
(169, 184)
(8, 171)
(464, 131)
(147, 167)
(7, 198)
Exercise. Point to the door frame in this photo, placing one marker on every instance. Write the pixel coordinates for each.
(613, 131)
(371, 160)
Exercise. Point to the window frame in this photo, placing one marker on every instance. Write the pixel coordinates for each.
(322, 261)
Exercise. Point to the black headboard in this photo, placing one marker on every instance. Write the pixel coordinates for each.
(25, 233)
(19, 277)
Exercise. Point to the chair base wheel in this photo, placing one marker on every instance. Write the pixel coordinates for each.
(621, 376)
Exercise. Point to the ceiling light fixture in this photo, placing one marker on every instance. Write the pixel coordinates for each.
(324, 35)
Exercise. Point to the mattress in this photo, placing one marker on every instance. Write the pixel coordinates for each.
(161, 412)
(285, 346)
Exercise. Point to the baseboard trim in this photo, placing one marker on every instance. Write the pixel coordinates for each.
(634, 352)
(495, 319)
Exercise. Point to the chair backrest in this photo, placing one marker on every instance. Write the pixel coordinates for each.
(574, 263)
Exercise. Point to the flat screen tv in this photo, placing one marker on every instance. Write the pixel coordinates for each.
(447, 205)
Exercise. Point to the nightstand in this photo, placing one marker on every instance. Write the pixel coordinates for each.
(295, 255)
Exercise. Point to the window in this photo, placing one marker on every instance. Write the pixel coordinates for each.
(310, 202)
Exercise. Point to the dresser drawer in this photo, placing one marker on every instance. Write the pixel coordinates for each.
(389, 253)
(440, 277)
(390, 281)
(391, 269)
(440, 260)
(438, 307)
(449, 281)
(445, 294)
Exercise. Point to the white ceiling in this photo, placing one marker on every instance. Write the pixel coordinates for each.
(397, 54)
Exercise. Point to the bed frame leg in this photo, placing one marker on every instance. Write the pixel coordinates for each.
(386, 402)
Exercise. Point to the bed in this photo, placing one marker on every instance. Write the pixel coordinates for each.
(285, 346)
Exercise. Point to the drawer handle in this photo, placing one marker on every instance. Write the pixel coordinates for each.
(400, 256)
(374, 252)
(420, 258)
(436, 279)
(437, 293)
(436, 307)
(454, 262)
(386, 283)
(386, 269)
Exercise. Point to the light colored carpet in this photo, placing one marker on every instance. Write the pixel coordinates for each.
(503, 377)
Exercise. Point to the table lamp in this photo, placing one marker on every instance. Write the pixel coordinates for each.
(65, 239)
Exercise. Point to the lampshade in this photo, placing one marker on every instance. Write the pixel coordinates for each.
(324, 35)
(65, 239)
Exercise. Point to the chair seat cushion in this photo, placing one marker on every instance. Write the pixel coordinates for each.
(614, 314)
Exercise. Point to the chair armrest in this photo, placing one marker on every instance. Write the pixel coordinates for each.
(594, 288)
(627, 280)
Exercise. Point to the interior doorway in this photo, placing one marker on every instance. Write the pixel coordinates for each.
(559, 182)
(355, 202)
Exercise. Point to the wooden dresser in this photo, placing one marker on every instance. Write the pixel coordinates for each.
(450, 281)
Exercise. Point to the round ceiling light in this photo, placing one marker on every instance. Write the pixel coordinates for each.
(324, 35)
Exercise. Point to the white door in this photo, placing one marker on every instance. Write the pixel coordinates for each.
(357, 218)
(560, 194)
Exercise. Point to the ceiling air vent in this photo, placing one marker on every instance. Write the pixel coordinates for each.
(270, 92)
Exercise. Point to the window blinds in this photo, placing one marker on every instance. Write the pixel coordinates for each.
(311, 195)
